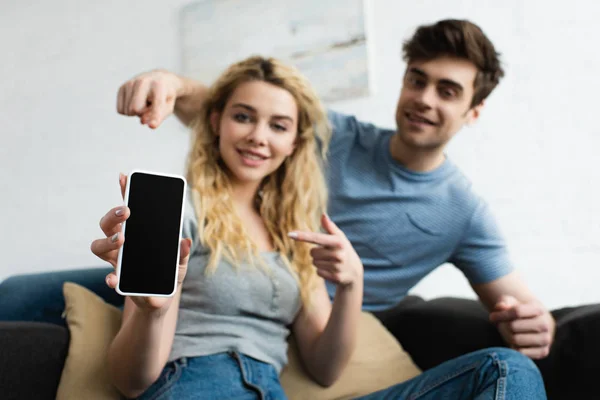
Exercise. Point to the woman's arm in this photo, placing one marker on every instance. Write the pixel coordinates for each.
(140, 350)
(326, 333)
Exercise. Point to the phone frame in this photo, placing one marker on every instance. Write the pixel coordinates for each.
(120, 256)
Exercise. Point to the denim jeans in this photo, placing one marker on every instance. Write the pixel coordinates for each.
(496, 373)
(39, 297)
(219, 376)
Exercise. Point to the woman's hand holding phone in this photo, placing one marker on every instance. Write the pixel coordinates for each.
(108, 250)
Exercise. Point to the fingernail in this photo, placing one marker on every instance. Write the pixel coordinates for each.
(119, 212)
(107, 279)
(293, 235)
(114, 237)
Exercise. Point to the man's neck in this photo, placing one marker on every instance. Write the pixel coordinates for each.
(417, 160)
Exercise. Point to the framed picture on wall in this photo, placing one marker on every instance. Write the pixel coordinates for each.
(325, 40)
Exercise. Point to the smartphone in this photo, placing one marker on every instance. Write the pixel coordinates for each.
(149, 258)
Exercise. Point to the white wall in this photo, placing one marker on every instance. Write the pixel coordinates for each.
(531, 155)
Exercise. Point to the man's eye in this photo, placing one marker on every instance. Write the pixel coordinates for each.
(416, 82)
(448, 93)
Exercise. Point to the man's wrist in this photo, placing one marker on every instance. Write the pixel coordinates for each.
(186, 87)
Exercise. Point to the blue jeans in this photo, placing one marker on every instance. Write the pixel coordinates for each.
(218, 376)
(496, 373)
(39, 297)
(485, 374)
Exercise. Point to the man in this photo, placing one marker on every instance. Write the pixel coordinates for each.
(406, 208)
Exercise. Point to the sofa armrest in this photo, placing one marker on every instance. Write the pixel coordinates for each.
(33, 356)
(441, 329)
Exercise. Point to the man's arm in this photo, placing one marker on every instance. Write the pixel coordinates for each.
(482, 256)
(509, 285)
(153, 96)
(189, 102)
(523, 321)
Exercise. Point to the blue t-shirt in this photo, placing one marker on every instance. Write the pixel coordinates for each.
(404, 224)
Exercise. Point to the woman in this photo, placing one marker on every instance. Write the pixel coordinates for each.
(252, 271)
(245, 277)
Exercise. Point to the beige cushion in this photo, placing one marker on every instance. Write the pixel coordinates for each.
(378, 362)
(92, 323)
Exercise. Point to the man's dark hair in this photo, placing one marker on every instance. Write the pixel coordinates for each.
(459, 39)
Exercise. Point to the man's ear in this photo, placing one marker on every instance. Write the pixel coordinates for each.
(474, 113)
(215, 117)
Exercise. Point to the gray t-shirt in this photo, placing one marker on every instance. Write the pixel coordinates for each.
(245, 309)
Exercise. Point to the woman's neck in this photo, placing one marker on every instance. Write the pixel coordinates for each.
(244, 202)
(244, 197)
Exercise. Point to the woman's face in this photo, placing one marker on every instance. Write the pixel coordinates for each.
(257, 130)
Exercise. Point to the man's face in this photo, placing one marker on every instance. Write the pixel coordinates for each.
(435, 102)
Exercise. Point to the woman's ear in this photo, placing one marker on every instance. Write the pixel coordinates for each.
(293, 147)
(214, 121)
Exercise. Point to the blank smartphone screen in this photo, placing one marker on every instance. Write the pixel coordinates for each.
(149, 255)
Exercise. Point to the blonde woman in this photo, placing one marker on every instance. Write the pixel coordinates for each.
(252, 261)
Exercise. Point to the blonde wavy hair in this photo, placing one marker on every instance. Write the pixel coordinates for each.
(291, 198)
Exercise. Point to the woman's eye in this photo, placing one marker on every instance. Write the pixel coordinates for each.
(279, 128)
(240, 117)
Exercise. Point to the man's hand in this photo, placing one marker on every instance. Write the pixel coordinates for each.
(150, 96)
(526, 327)
(334, 257)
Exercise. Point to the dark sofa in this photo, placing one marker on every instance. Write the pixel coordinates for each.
(32, 358)
(33, 353)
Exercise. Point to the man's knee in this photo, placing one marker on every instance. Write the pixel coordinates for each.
(9, 283)
(512, 357)
(13, 290)
(509, 356)
(39, 296)
(30, 298)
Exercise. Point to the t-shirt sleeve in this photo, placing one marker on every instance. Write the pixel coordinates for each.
(341, 124)
(346, 130)
(482, 254)
(190, 223)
